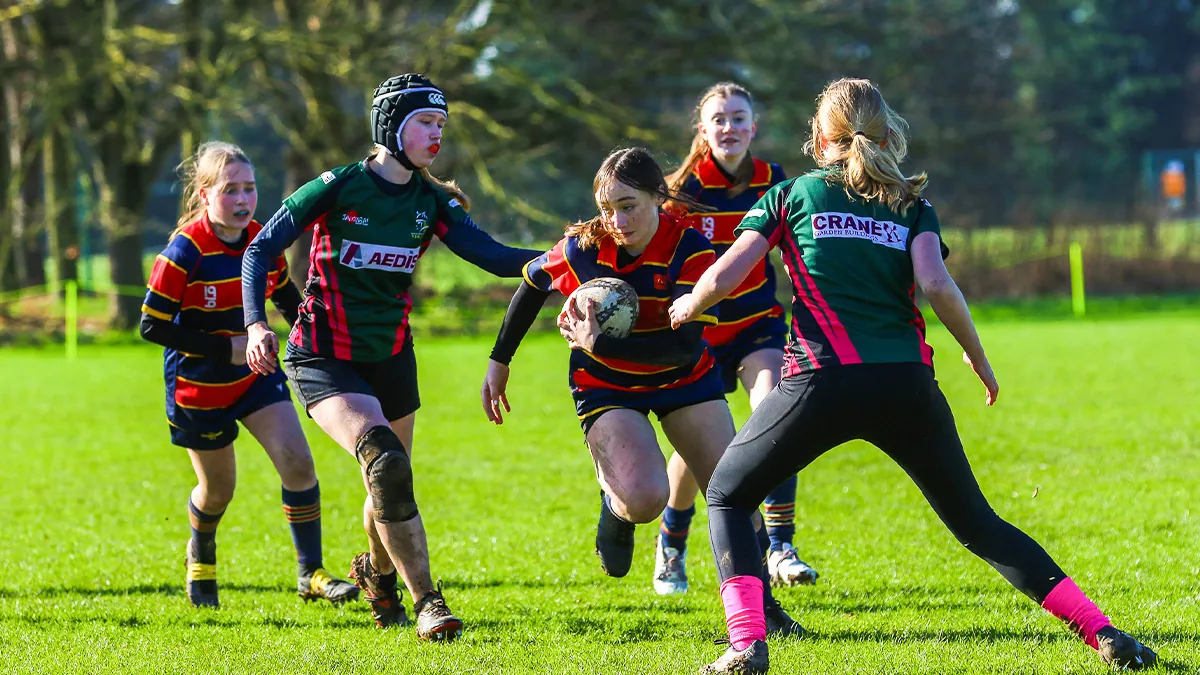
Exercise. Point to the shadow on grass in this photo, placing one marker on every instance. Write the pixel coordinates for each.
(139, 589)
(982, 635)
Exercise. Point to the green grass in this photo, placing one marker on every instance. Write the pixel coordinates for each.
(1092, 449)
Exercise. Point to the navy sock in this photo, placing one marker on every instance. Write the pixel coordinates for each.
(303, 511)
(780, 514)
(675, 526)
(204, 533)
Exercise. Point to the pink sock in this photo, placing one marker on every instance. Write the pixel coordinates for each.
(1082, 615)
(743, 600)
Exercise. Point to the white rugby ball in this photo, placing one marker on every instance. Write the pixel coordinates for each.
(615, 301)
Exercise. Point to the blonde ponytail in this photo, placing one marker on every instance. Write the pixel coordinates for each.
(865, 142)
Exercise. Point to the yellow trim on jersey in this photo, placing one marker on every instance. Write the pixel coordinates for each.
(156, 314)
(706, 318)
(200, 282)
(216, 384)
(172, 263)
(163, 295)
(746, 319)
(748, 290)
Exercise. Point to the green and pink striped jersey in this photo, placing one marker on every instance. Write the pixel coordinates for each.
(851, 272)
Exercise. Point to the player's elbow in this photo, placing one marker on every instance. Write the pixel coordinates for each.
(146, 327)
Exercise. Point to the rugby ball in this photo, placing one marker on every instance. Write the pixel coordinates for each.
(615, 301)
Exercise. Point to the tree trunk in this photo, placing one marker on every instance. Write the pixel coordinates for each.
(125, 248)
(34, 250)
(62, 222)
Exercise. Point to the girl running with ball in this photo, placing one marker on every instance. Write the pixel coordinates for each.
(350, 356)
(618, 381)
(857, 239)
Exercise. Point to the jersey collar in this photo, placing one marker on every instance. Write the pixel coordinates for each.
(607, 255)
(710, 174)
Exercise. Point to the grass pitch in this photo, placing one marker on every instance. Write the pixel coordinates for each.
(1093, 449)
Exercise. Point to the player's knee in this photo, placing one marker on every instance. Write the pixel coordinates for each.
(389, 475)
(645, 505)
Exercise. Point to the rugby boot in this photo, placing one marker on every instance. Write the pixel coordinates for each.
(320, 584)
(787, 569)
(751, 660)
(614, 542)
(670, 570)
(1122, 651)
(201, 577)
(385, 598)
(779, 624)
(435, 621)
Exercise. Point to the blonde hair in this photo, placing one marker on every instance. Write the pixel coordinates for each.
(700, 148)
(636, 168)
(865, 143)
(201, 171)
(448, 186)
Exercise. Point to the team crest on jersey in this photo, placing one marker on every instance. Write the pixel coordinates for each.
(422, 224)
(850, 226)
(359, 256)
(353, 217)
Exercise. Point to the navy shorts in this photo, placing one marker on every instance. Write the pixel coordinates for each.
(593, 403)
(199, 429)
(393, 381)
(769, 332)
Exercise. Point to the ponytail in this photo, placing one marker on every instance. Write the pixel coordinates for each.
(865, 142)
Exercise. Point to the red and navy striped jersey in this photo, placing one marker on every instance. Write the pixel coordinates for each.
(196, 282)
(754, 299)
(669, 267)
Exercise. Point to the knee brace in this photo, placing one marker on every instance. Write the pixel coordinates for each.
(389, 475)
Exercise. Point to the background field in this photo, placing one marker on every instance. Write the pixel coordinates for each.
(1093, 450)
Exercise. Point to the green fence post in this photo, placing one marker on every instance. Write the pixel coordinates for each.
(1078, 299)
(72, 312)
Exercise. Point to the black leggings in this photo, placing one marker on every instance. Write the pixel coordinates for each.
(898, 408)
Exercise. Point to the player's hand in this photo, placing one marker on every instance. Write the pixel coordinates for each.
(683, 310)
(493, 395)
(262, 346)
(983, 370)
(237, 354)
(580, 332)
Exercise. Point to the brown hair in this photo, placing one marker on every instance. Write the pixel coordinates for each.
(202, 171)
(636, 168)
(700, 148)
(865, 143)
(448, 186)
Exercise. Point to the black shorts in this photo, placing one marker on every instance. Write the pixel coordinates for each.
(769, 332)
(393, 381)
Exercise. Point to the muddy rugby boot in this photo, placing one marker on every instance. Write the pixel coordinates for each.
(435, 621)
(320, 584)
(1122, 651)
(751, 660)
(381, 593)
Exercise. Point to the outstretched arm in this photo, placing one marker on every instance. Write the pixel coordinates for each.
(522, 312)
(722, 278)
(478, 248)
